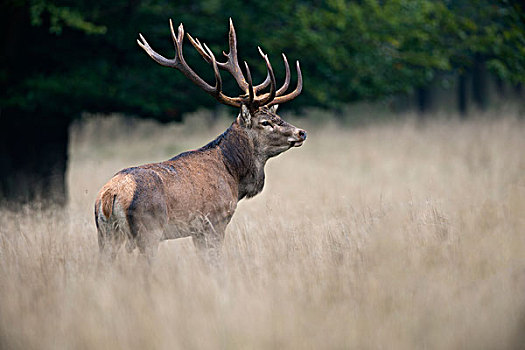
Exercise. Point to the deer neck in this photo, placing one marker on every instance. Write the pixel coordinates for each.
(242, 160)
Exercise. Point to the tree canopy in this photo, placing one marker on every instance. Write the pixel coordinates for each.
(62, 57)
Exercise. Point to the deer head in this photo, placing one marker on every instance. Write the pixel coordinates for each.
(270, 134)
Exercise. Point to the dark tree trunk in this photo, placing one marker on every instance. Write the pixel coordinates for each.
(518, 88)
(33, 145)
(33, 157)
(500, 86)
(462, 94)
(423, 98)
(479, 82)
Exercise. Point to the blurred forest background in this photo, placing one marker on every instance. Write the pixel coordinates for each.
(62, 58)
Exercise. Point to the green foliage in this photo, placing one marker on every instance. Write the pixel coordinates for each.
(64, 57)
(60, 16)
(494, 31)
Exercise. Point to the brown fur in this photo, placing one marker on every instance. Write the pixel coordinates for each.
(107, 202)
(121, 185)
(195, 193)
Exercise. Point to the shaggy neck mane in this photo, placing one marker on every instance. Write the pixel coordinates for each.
(241, 160)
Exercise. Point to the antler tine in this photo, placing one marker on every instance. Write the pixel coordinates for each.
(218, 83)
(251, 92)
(232, 63)
(154, 55)
(293, 94)
(198, 46)
(218, 80)
(175, 38)
(267, 98)
(177, 41)
(286, 79)
(179, 63)
(264, 84)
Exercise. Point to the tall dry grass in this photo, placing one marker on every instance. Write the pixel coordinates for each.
(396, 236)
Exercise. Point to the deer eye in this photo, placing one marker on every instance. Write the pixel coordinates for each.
(265, 123)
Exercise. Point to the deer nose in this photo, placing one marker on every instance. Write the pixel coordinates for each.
(302, 134)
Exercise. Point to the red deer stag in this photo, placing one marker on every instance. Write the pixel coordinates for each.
(195, 193)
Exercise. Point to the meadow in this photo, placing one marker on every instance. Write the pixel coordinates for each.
(394, 235)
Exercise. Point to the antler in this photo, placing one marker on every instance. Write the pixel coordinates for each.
(179, 63)
(232, 64)
(249, 98)
(282, 99)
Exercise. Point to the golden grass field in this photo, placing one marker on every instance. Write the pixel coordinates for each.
(377, 236)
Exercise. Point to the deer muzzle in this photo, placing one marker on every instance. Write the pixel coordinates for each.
(299, 136)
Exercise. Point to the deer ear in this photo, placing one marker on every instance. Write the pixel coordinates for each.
(273, 108)
(245, 118)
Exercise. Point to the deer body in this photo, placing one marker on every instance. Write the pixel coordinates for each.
(196, 193)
